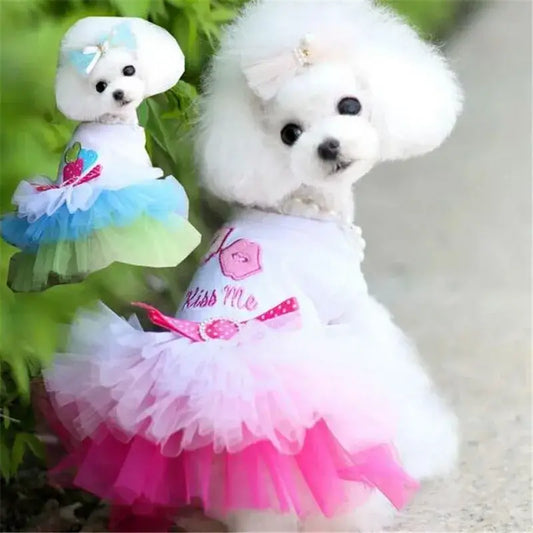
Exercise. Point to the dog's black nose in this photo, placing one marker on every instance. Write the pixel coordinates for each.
(328, 150)
(118, 95)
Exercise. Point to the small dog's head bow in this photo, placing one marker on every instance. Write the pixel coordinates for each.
(86, 59)
(304, 51)
(266, 76)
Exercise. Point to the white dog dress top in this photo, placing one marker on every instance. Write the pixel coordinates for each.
(260, 259)
(98, 157)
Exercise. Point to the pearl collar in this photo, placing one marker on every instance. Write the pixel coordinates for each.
(308, 208)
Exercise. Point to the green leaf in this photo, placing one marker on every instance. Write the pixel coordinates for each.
(184, 90)
(34, 444)
(222, 14)
(132, 8)
(177, 3)
(5, 468)
(17, 452)
(23, 442)
(142, 114)
(72, 153)
(154, 126)
(20, 374)
(158, 12)
(6, 418)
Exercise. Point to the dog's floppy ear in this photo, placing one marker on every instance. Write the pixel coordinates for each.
(72, 94)
(232, 148)
(414, 96)
(160, 56)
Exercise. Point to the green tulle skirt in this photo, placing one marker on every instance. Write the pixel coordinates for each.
(145, 242)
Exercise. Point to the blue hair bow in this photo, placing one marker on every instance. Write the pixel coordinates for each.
(120, 36)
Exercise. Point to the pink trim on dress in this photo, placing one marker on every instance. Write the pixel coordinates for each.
(216, 328)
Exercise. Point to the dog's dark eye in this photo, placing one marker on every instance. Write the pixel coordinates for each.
(290, 134)
(128, 70)
(349, 106)
(100, 86)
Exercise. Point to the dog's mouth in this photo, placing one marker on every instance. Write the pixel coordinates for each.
(340, 165)
(125, 102)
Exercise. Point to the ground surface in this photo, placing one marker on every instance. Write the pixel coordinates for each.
(448, 251)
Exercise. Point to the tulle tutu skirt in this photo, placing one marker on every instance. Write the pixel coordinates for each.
(269, 419)
(143, 224)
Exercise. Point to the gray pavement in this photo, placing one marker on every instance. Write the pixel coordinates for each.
(448, 251)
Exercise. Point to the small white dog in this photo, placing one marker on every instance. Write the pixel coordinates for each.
(303, 99)
(109, 65)
(99, 208)
(313, 94)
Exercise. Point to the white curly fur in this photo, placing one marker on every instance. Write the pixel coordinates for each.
(410, 101)
(157, 59)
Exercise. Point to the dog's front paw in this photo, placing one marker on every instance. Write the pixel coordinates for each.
(370, 517)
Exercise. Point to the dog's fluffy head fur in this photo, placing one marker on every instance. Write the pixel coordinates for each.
(156, 59)
(408, 96)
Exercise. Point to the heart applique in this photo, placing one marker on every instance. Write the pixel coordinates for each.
(79, 168)
(89, 158)
(72, 171)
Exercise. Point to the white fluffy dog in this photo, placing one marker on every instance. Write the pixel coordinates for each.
(109, 65)
(303, 99)
(371, 86)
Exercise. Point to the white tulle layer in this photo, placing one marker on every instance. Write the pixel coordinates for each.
(262, 384)
(33, 204)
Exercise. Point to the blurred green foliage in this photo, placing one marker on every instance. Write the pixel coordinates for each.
(33, 134)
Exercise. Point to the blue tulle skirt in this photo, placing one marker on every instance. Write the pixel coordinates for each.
(156, 199)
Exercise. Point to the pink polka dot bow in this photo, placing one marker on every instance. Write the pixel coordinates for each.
(217, 328)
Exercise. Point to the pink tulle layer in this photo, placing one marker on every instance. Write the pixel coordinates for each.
(134, 473)
(156, 422)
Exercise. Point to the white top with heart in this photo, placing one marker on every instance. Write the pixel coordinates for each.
(98, 157)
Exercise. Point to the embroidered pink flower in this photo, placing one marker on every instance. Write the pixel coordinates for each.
(241, 259)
